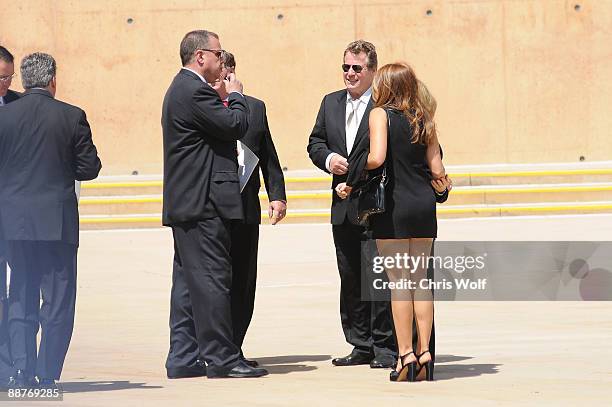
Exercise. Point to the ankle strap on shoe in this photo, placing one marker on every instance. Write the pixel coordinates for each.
(401, 358)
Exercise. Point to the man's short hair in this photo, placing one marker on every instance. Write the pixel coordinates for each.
(6, 56)
(37, 70)
(359, 46)
(228, 60)
(192, 41)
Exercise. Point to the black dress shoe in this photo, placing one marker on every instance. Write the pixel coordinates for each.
(252, 363)
(355, 358)
(382, 362)
(198, 370)
(22, 381)
(241, 370)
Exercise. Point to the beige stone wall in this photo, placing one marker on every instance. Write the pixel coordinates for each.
(516, 81)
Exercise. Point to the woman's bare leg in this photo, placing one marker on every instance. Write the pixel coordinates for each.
(423, 299)
(401, 300)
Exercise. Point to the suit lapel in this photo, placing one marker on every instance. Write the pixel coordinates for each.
(364, 126)
(341, 115)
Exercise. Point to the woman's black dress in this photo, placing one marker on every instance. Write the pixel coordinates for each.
(410, 198)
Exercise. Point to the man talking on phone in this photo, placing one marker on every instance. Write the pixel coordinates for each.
(201, 202)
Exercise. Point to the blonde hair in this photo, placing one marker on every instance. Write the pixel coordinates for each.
(359, 46)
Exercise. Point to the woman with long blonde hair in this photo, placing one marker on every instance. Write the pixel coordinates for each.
(403, 141)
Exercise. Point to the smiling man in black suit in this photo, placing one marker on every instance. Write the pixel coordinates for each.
(201, 203)
(341, 124)
(45, 146)
(339, 137)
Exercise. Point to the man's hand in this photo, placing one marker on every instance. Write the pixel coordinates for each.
(277, 211)
(338, 165)
(442, 184)
(343, 191)
(232, 84)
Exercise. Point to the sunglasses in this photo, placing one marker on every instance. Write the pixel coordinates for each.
(356, 68)
(218, 52)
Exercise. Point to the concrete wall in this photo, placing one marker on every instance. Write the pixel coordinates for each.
(516, 81)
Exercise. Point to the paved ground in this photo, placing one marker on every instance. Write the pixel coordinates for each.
(544, 353)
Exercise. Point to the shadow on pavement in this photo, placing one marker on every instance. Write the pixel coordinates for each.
(290, 363)
(458, 370)
(110, 385)
(451, 358)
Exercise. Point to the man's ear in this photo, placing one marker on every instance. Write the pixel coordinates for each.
(199, 57)
(53, 86)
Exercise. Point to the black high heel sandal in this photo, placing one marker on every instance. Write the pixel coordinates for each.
(406, 373)
(429, 367)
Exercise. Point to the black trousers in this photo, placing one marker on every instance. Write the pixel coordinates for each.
(48, 268)
(200, 303)
(367, 325)
(245, 243)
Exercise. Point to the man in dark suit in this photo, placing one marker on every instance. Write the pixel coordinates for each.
(45, 146)
(7, 71)
(245, 235)
(341, 124)
(201, 202)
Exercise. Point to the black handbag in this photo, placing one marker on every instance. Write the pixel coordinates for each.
(371, 195)
(371, 198)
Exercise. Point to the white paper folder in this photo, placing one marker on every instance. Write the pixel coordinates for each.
(247, 161)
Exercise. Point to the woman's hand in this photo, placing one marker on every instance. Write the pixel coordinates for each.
(442, 184)
(343, 191)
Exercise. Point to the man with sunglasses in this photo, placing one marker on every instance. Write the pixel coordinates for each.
(342, 122)
(7, 72)
(201, 203)
(340, 136)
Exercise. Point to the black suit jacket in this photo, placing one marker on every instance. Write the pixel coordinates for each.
(329, 136)
(45, 145)
(200, 165)
(259, 140)
(11, 96)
